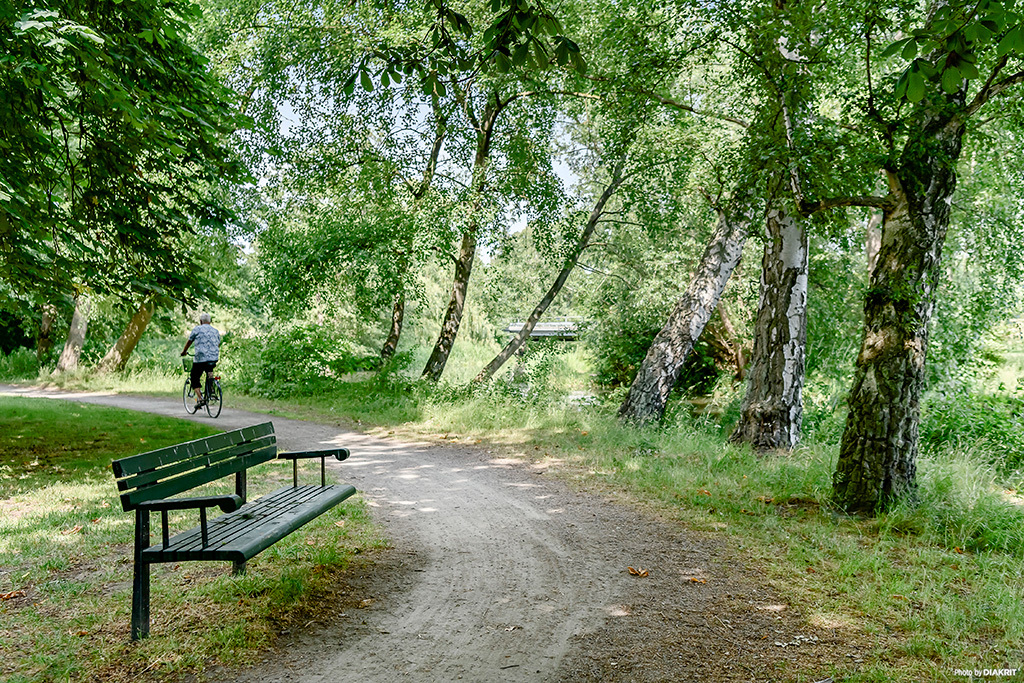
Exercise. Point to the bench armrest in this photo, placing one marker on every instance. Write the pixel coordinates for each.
(227, 503)
(338, 453)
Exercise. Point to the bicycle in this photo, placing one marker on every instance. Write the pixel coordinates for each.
(213, 394)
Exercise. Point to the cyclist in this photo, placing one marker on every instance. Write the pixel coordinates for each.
(207, 341)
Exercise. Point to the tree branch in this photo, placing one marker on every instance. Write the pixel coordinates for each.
(808, 208)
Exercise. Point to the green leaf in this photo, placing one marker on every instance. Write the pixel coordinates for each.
(915, 86)
(364, 80)
(901, 84)
(384, 80)
(910, 50)
(520, 54)
(502, 63)
(895, 48)
(540, 54)
(969, 70)
(952, 80)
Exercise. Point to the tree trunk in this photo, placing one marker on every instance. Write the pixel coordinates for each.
(660, 370)
(47, 323)
(873, 240)
(418, 192)
(397, 316)
(517, 342)
(773, 406)
(76, 335)
(467, 250)
(878, 455)
(456, 303)
(122, 349)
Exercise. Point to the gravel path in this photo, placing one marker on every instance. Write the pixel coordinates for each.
(501, 572)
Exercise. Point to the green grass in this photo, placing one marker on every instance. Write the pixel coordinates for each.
(930, 587)
(65, 556)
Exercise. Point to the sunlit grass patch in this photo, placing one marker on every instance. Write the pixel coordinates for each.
(66, 555)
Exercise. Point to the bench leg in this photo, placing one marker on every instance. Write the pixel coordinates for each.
(140, 581)
(238, 568)
(140, 601)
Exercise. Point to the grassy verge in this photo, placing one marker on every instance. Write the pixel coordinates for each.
(65, 556)
(931, 588)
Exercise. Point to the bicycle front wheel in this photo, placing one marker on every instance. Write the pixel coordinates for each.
(214, 399)
(188, 398)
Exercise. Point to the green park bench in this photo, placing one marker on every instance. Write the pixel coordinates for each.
(147, 482)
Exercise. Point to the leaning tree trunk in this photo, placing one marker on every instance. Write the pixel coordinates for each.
(517, 342)
(456, 303)
(122, 349)
(397, 316)
(44, 342)
(76, 335)
(467, 251)
(878, 455)
(773, 406)
(663, 364)
(390, 347)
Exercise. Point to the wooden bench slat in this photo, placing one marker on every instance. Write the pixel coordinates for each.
(240, 535)
(151, 460)
(166, 489)
(201, 460)
(226, 528)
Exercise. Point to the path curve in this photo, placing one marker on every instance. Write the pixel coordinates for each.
(503, 573)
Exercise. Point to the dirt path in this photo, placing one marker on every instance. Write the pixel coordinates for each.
(500, 572)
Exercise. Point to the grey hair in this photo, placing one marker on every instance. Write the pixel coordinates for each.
(204, 318)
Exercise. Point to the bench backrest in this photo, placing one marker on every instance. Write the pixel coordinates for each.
(168, 471)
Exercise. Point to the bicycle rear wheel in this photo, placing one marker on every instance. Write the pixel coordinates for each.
(214, 399)
(188, 398)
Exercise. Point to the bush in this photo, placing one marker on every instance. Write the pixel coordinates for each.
(19, 364)
(299, 359)
(988, 424)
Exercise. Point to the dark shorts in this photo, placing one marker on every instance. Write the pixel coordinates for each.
(196, 376)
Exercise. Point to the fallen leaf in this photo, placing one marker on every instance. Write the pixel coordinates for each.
(704, 492)
(82, 633)
(638, 572)
(694, 579)
(95, 521)
(12, 595)
(958, 550)
(311, 542)
(812, 570)
(363, 604)
(340, 524)
(74, 530)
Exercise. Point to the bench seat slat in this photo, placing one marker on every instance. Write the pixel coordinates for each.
(162, 456)
(201, 460)
(240, 535)
(229, 529)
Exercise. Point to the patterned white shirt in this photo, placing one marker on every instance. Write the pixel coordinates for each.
(206, 339)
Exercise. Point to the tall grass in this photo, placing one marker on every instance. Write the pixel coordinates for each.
(65, 556)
